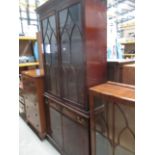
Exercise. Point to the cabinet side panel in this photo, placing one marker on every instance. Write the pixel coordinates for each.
(95, 28)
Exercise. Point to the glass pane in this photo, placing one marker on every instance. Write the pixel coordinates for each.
(63, 18)
(23, 7)
(54, 50)
(51, 50)
(44, 25)
(72, 53)
(34, 23)
(52, 23)
(65, 49)
(33, 16)
(80, 84)
(75, 12)
(102, 145)
(25, 26)
(32, 2)
(20, 27)
(72, 85)
(76, 47)
(23, 14)
(49, 32)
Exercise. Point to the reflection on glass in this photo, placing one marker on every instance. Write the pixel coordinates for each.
(65, 49)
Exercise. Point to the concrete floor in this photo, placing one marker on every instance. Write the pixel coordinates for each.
(30, 144)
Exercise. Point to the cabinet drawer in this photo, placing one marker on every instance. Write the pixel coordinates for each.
(69, 113)
(28, 84)
(21, 108)
(55, 105)
(76, 117)
(31, 98)
(33, 117)
(21, 98)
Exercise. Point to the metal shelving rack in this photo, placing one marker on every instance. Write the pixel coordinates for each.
(122, 14)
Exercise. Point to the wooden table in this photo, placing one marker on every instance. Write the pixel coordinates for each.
(112, 119)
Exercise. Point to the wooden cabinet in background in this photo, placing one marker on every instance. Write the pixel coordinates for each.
(122, 71)
(33, 89)
(128, 74)
(112, 119)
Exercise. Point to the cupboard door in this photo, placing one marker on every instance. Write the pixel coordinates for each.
(114, 129)
(56, 126)
(124, 127)
(50, 43)
(103, 127)
(75, 138)
(72, 55)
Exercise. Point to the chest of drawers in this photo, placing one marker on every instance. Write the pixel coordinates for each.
(33, 88)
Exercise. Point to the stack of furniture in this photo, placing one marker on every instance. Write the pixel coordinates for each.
(112, 119)
(74, 41)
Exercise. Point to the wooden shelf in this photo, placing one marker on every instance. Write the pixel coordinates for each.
(127, 42)
(29, 64)
(27, 38)
(129, 54)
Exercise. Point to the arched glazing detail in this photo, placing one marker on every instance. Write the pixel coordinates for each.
(51, 55)
(72, 53)
(115, 125)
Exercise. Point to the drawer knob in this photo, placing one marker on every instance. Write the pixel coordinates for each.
(80, 120)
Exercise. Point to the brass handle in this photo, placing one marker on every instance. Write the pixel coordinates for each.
(80, 120)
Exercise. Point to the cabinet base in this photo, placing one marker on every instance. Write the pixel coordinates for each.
(40, 135)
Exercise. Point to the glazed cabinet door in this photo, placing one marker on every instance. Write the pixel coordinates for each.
(76, 140)
(72, 54)
(124, 129)
(51, 56)
(114, 129)
(56, 126)
(103, 128)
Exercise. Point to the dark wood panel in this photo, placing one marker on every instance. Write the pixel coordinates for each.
(64, 126)
(122, 71)
(95, 29)
(75, 138)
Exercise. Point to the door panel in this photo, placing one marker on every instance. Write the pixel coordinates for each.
(75, 138)
(72, 53)
(56, 126)
(52, 70)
